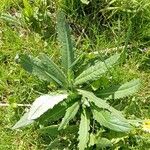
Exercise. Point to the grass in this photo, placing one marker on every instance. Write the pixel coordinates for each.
(17, 86)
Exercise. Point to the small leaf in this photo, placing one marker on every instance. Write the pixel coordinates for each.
(43, 104)
(99, 141)
(70, 114)
(24, 121)
(95, 71)
(111, 121)
(84, 130)
(103, 143)
(92, 140)
(122, 91)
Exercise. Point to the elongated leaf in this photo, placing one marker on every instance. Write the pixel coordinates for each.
(122, 91)
(95, 71)
(53, 130)
(45, 71)
(70, 114)
(64, 38)
(111, 121)
(50, 130)
(52, 68)
(84, 130)
(57, 112)
(24, 121)
(43, 104)
(54, 114)
(99, 102)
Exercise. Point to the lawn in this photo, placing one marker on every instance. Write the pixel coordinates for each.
(99, 29)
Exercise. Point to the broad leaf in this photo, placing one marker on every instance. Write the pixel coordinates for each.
(43, 104)
(70, 114)
(84, 130)
(122, 91)
(111, 121)
(24, 121)
(64, 38)
(95, 71)
(46, 70)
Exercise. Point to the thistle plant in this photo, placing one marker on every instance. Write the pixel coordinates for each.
(82, 112)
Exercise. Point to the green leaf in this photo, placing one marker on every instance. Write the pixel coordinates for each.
(57, 112)
(54, 114)
(24, 121)
(58, 144)
(84, 130)
(45, 70)
(53, 130)
(92, 140)
(70, 114)
(50, 130)
(122, 91)
(64, 38)
(43, 104)
(52, 68)
(95, 71)
(96, 100)
(111, 121)
(99, 141)
(103, 143)
(100, 102)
